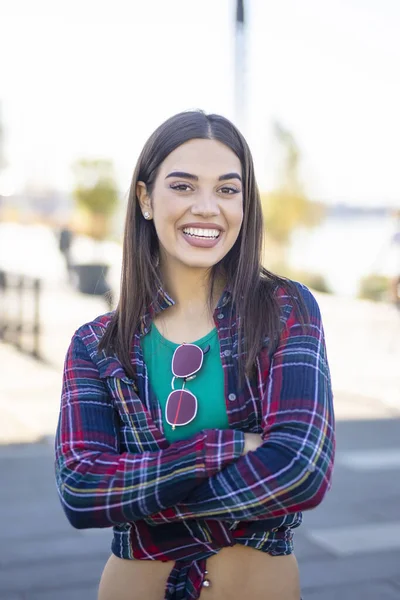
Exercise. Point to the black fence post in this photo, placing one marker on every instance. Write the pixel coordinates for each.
(14, 328)
(2, 304)
(20, 317)
(36, 318)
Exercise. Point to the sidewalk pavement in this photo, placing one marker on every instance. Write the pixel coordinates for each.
(348, 548)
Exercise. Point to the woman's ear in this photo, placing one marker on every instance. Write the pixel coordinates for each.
(144, 198)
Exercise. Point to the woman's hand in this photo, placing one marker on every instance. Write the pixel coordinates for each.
(252, 441)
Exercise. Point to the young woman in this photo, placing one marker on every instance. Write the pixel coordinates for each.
(196, 419)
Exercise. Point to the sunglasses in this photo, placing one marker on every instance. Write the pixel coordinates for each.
(182, 405)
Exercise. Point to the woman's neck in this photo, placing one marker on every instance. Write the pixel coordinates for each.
(189, 288)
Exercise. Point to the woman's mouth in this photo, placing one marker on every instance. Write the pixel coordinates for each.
(201, 237)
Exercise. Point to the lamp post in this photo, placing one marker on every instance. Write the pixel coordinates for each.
(240, 66)
(2, 159)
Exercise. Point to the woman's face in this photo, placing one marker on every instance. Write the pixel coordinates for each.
(196, 204)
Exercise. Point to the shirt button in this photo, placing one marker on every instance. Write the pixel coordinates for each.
(220, 316)
(311, 468)
(232, 397)
(206, 583)
(227, 352)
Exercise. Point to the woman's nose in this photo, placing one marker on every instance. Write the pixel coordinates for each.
(206, 206)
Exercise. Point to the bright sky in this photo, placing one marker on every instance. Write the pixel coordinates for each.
(95, 77)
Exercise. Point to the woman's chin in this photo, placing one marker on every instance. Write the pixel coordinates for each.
(190, 260)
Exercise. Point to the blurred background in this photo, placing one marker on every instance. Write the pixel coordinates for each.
(315, 88)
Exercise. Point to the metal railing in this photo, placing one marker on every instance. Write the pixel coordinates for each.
(20, 311)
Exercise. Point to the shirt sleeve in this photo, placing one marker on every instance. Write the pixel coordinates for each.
(292, 469)
(99, 486)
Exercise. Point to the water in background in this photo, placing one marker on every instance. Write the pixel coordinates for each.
(345, 248)
(342, 248)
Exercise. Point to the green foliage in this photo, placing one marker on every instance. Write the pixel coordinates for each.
(288, 207)
(285, 210)
(374, 287)
(96, 190)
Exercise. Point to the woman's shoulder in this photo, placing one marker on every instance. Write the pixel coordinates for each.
(88, 336)
(85, 345)
(94, 328)
(292, 295)
(289, 290)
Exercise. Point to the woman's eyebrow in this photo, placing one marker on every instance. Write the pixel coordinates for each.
(184, 175)
(230, 176)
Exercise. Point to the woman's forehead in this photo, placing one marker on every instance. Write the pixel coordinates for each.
(202, 157)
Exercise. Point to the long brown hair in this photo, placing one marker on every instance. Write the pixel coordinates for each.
(251, 285)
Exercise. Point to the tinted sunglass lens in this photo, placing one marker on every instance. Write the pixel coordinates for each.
(187, 360)
(181, 407)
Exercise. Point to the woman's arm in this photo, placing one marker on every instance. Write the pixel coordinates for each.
(100, 487)
(291, 471)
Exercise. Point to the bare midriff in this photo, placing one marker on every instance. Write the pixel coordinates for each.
(234, 573)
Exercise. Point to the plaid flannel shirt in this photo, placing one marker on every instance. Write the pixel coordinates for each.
(186, 500)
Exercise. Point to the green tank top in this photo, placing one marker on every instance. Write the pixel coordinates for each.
(207, 386)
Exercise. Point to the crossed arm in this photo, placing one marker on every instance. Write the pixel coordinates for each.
(206, 476)
(99, 486)
(291, 471)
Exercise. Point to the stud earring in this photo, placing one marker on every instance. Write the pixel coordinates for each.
(147, 215)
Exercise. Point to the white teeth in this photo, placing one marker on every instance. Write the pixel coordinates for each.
(207, 233)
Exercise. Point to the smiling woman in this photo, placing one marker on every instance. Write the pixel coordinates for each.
(201, 232)
(197, 418)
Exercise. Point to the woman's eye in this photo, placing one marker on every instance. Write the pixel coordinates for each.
(181, 187)
(229, 190)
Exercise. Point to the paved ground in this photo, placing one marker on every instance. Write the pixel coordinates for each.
(348, 548)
